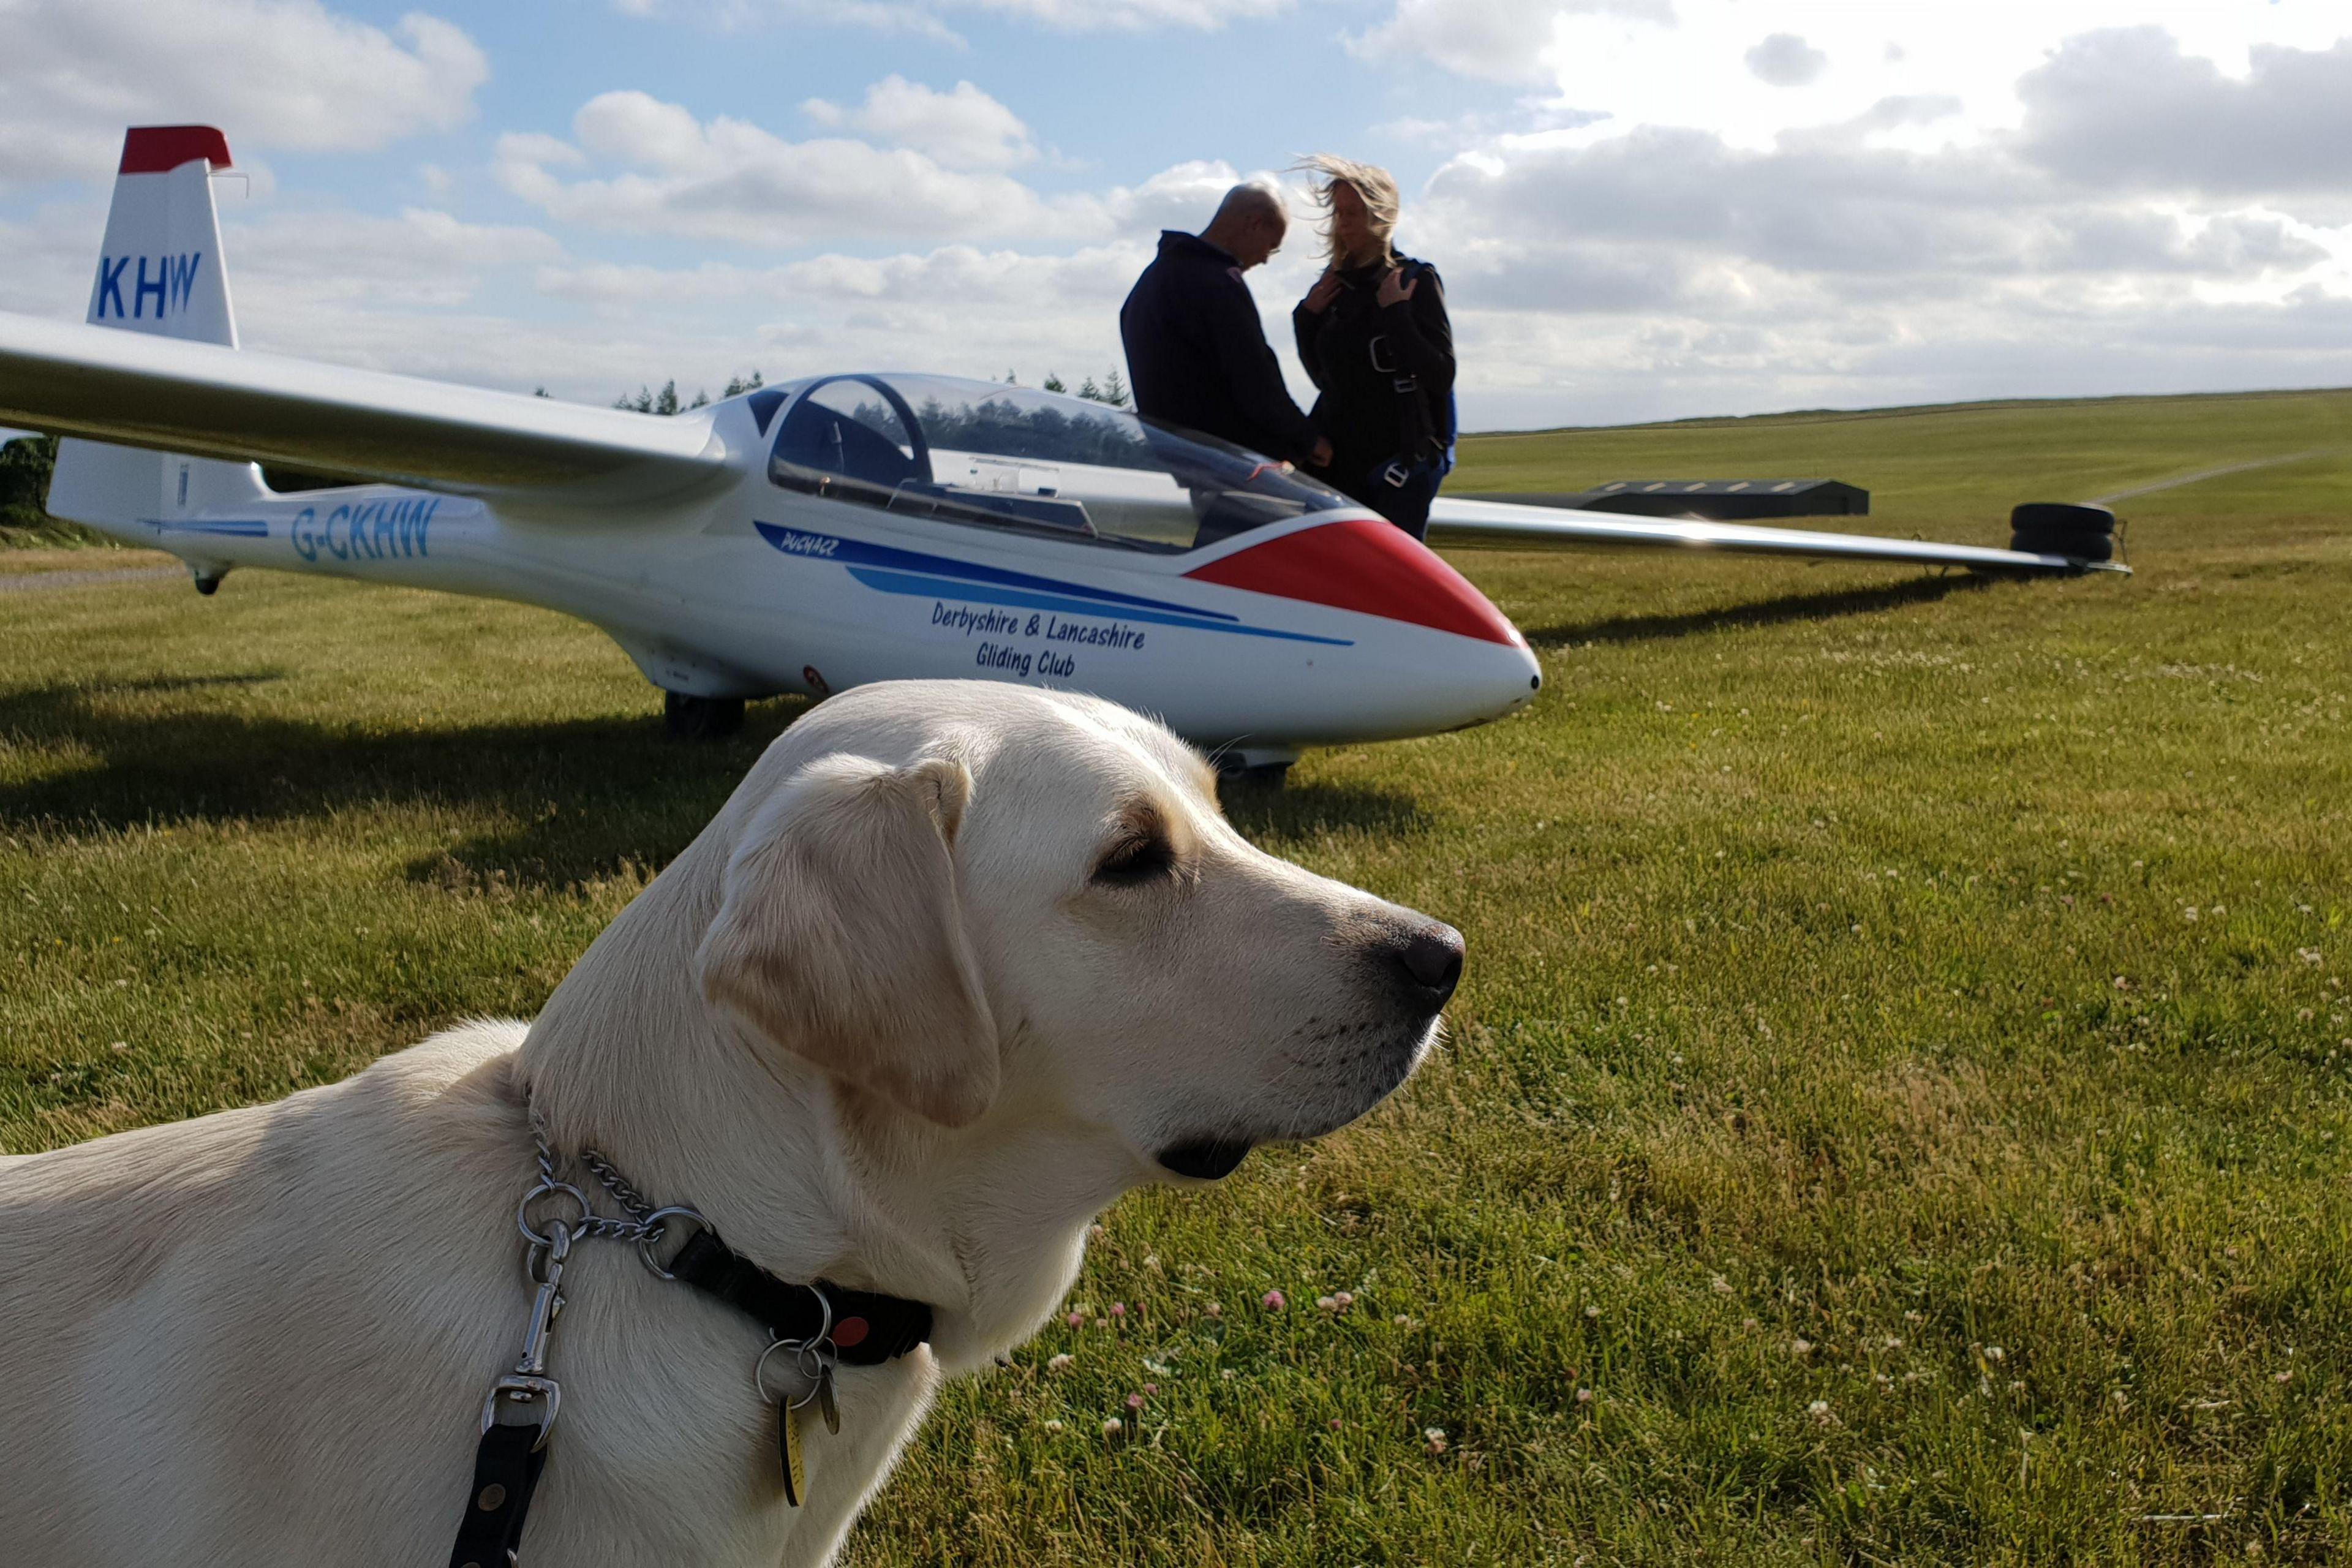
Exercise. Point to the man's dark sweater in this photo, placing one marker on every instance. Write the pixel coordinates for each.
(1197, 357)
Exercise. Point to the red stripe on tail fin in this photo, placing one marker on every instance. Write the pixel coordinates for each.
(160, 149)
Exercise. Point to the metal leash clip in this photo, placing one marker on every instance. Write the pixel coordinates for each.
(528, 1383)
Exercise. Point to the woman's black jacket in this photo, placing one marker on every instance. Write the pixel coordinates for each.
(1385, 372)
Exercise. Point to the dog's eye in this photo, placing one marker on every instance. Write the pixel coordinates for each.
(1143, 857)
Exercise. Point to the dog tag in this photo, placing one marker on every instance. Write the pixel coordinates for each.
(825, 1406)
(789, 1450)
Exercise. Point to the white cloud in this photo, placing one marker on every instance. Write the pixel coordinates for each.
(51, 254)
(952, 279)
(2126, 107)
(286, 260)
(1669, 207)
(272, 73)
(961, 129)
(1663, 270)
(1693, 72)
(1965, 203)
(1184, 195)
(643, 167)
(728, 179)
(1499, 40)
(926, 17)
(1094, 15)
(1784, 59)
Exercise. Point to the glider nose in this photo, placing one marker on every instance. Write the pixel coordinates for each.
(1481, 670)
(1490, 681)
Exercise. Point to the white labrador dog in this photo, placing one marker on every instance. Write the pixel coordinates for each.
(957, 965)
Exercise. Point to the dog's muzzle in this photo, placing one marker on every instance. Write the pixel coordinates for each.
(1419, 970)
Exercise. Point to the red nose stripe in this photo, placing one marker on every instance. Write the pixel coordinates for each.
(1364, 564)
(160, 149)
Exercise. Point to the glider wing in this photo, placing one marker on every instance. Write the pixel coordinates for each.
(209, 400)
(1505, 525)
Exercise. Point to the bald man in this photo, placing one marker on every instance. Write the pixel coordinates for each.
(1196, 353)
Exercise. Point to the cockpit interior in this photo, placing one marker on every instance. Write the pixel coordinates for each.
(1037, 463)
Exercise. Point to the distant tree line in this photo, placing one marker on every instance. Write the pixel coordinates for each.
(26, 464)
(1112, 389)
(648, 401)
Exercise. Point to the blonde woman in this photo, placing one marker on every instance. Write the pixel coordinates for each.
(1373, 334)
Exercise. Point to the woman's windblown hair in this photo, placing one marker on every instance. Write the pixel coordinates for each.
(1374, 184)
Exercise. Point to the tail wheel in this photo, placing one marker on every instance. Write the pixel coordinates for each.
(702, 718)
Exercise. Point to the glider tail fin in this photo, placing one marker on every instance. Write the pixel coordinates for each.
(159, 271)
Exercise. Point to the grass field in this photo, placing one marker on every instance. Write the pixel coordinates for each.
(1895, 1112)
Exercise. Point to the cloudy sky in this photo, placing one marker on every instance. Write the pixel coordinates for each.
(1642, 208)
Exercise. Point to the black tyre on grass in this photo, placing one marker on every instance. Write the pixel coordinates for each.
(702, 718)
(2057, 528)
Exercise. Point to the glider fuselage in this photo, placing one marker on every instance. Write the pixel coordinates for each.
(749, 588)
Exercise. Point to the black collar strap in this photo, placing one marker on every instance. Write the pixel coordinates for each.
(866, 1329)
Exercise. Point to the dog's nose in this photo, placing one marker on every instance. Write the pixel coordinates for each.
(1432, 961)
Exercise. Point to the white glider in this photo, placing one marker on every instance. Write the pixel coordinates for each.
(806, 537)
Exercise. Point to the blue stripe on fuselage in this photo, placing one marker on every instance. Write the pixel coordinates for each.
(967, 593)
(891, 570)
(857, 553)
(232, 527)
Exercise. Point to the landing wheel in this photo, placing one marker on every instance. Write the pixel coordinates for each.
(702, 718)
(1240, 774)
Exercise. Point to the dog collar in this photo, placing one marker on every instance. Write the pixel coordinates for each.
(866, 1329)
(818, 1325)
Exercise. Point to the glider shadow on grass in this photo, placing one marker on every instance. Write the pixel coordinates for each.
(1282, 820)
(576, 798)
(1781, 611)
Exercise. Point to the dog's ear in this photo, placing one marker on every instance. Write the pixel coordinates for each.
(840, 935)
